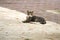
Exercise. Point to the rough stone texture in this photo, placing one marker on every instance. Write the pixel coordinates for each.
(21, 31)
(38, 6)
(14, 30)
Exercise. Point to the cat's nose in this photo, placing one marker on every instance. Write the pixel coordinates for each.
(30, 15)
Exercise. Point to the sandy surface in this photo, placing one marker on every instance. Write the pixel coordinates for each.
(16, 30)
(21, 31)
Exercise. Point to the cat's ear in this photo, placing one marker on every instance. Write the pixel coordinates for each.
(31, 12)
(28, 12)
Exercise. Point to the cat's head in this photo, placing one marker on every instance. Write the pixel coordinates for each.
(29, 17)
(29, 13)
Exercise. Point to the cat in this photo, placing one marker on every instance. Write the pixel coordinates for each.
(33, 18)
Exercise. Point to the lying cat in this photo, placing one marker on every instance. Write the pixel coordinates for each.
(32, 18)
